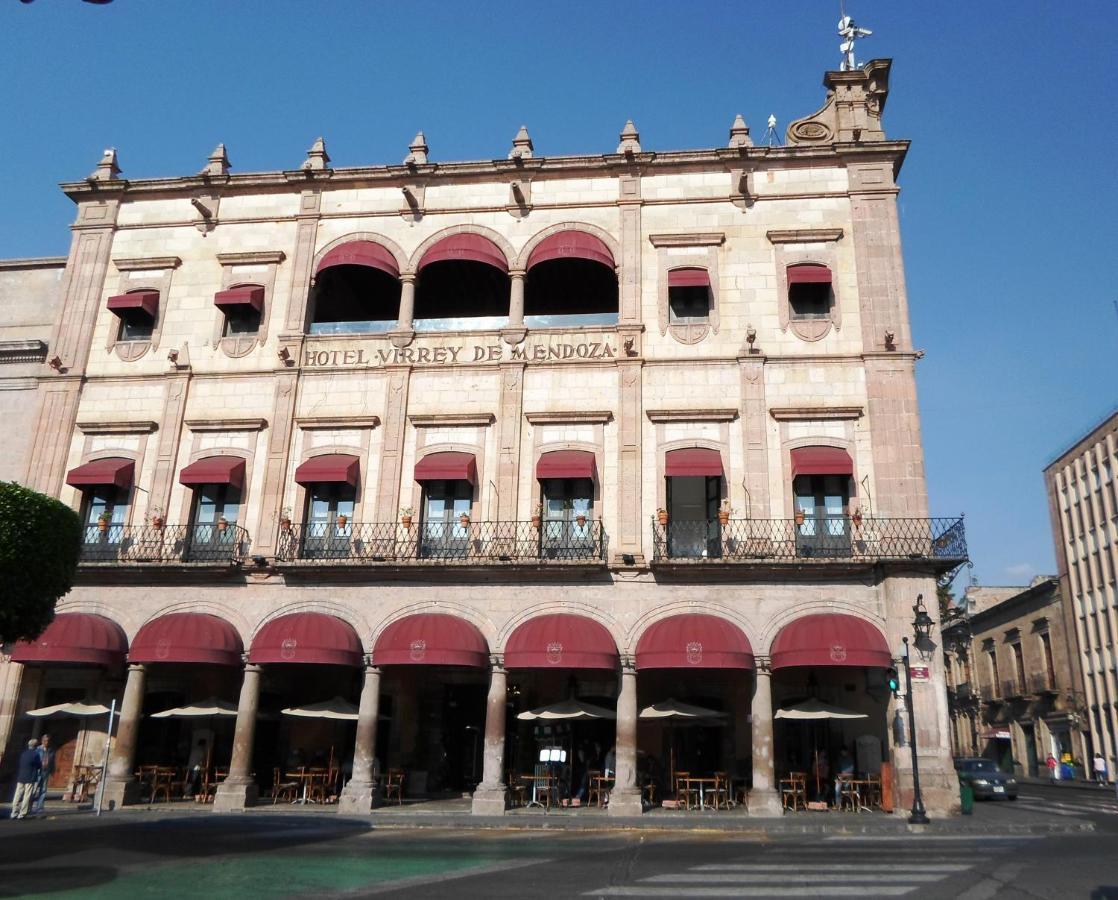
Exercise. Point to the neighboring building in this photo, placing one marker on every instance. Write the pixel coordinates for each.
(1011, 684)
(452, 441)
(1082, 485)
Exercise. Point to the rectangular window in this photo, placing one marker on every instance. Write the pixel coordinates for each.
(104, 510)
(810, 301)
(1046, 656)
(329, 530)
(992, 657)
(688, 304)
(821, 503)
(443, 533)
(568, 510)
(240, 320)
(1018, 665)
(135, 325)
(693, 529)
(216, 510)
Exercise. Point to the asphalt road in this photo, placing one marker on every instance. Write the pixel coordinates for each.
(322, 855)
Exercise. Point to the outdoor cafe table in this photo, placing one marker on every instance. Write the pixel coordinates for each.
(604, 784)
(546, 782)
(84, 777)
(702, 785)
(308, 776)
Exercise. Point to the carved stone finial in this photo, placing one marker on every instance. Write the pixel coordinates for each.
(630, 139)
(418, 148)
(317, 157)
(852, 113)
(218, 163)
(739, 133)
(107, 169)
(521, 145)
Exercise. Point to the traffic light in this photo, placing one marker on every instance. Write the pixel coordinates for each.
(892, 680)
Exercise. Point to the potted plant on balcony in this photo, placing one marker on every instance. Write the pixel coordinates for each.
(580, 519)
(342, 519)
(464, 519)
(285, 519)
(800, 516)
(856, 517)
(222, 523)
(662, 516)
(104, 521)
(406, 513)
(537, 516)
(157, 520)
(724, 513)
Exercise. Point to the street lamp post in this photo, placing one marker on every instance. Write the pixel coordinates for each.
(922, 628)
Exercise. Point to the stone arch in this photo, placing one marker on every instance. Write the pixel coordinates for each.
(774, 625)
(604, 236)
(325, 607)
(386, 242)
(463, 611)
(498, 239)
(565, 607)
(206, 607)
(681, 607)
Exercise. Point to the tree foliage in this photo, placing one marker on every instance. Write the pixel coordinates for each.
(40, 541)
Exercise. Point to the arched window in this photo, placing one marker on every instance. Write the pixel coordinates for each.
(463, 285)
(571, 280)
(810, 296)
(136, 311)
(356, 289)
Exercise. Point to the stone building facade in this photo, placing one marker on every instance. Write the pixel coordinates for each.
(1011, 677)
(455, 440)
(1082, 484)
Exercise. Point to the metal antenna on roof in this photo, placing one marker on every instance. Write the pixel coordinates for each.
(771, 138)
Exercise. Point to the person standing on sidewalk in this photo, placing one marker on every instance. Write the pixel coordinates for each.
(1100, 769)
(27, 774)
(46, 769)
(1053, 768)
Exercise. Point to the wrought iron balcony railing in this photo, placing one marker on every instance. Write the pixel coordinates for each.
(837, 538)
(473, 542)
(168, 545)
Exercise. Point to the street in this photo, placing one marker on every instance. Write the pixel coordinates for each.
(319, 854)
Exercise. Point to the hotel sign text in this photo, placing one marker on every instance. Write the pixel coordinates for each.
(381, 353)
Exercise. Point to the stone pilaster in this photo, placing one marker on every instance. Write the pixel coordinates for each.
(359, 793)
(763, 799)
(754, 417)
(392, 442)
(121, 786)
(629, 520)
(625, 798)
(302, 260)
(239, 789)
(167, 448)
(491, 796)
(508, 436)
(281, 428)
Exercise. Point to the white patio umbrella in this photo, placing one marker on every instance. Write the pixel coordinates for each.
(73, 710)
(672, 710)
(203, 709)
(814, 709)
(568, 709)
(335, 708)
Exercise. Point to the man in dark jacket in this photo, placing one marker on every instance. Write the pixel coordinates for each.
(26, 777)
(46, 769)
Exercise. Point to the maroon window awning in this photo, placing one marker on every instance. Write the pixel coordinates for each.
(571, 245)
(566, 464)
(560, 641)
(809, 274)
(431, 639)
(75, 639)
(830, 639)
(332, 468)
(693, 461)
(688, 277)
(187, 638)
(694, 641)
(465, 246)
(821, 461)
(251, 295)
(307, 638)
(148, 301)
(215, 470)
(448, 466)
(103, 472)
(361, 253)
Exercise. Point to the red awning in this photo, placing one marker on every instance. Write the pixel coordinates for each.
(148, 301)
(431, 639)
(821, 461)
(571, 245)
(693, 461)
(307, 638)
(187, 638)
(467, 246)
(100, 472)
(560, 641)
(830, 639)
(332, 468)
(566, 464)
(449, 466)
(694, 641)
(76, 639)
(246, 295)
(691, 277)
(215, 470)
(361, 253)
(809, 274)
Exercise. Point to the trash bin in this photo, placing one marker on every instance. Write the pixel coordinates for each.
(966, 798)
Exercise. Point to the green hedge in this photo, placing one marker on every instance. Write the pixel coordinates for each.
(40, 541)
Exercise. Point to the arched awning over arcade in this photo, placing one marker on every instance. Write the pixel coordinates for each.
(307, 638)
(830, 639)
(694, 641)
(187, 638)
(560, 641)
(467, 247)
(75, 639)
(369, 254)
(571, 244)
(433, 639)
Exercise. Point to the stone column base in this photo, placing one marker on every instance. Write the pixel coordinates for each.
(764, 803)
(489, 801)
(235, 796)
(119, 793)
(625, 803)
(358, 798)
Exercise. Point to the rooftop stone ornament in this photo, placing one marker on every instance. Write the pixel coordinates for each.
(317, 158)
(107, 169)
(521, 145)
(630, 139)
(852, 112)
(418, 148)
(218, 163)
(739, 133)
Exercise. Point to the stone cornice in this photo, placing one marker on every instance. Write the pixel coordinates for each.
(226, 424)
(691, 415)
(22, 351)
(139, 426)
(814, 413)
(33, 262)
(682, 239)
(803, 235)
(570, 417)
(252, 258)
(152, 262)
(337, 422)
(445, 420)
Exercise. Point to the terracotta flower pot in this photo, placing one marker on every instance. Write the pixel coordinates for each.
(800, 518)
(285, 524)
(663, 517)
(157, 523)
(463, 521)
(581, 520)
(723, 517)
(102, 524)
(536, 522)
(342, 520)
(857, 518)
(406, 522)
(222, 524)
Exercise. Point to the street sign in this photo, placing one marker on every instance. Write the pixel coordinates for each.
(919, 673)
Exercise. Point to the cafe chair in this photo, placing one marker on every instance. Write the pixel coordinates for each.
(518, 790)
(287, 791)
(720, 794)
(847, 791)
(394, 786)
(793, 791)
(595, 790)
(685, 795)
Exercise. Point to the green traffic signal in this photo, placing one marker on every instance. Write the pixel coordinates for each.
(892, 680)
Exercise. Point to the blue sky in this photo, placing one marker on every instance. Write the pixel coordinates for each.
(1009, 191)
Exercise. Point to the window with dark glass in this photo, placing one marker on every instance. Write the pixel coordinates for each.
(688, 304)
(693, 501)
(821, 504)
(104, 510)
(240, 320)
(568, 510)
(445, 502)
(329, 527)
(216, 509)
(135, 325)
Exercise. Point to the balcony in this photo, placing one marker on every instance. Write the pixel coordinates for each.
(146, 545)
(1040, 684)
(429, 543)
(963, 693)
(1012, 689)
(939, 542)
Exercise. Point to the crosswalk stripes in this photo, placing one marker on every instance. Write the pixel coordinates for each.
(1078, 806)
(852, 868)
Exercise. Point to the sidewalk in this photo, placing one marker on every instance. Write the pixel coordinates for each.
(1068, 785)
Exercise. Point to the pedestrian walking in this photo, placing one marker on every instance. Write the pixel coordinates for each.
(1100, 769)
(46, 769)
(1053, 768)
(27, 774)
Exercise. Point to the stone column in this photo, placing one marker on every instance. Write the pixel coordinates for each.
(406, 321)
(121, 786)
(239, 789)
(358, 795)
(763, 799)
(625, 798)
(514, 331)
(491, 796)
